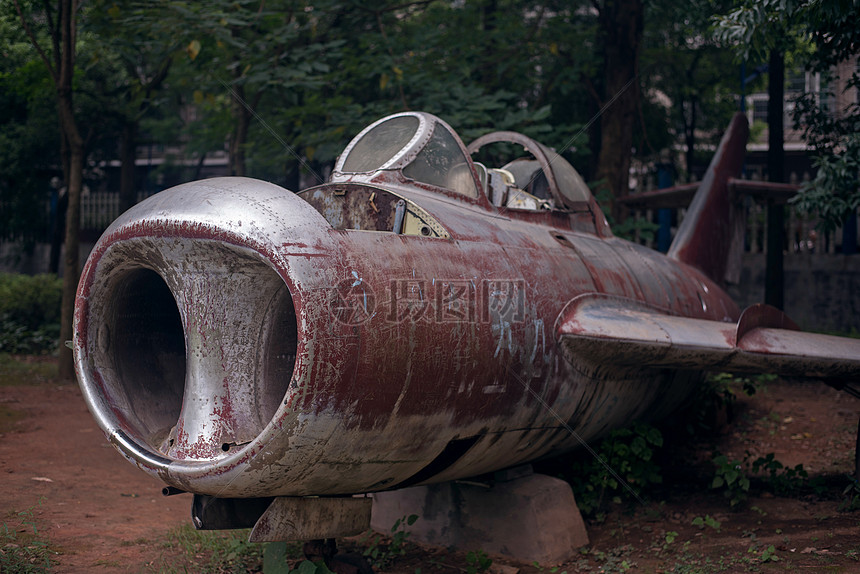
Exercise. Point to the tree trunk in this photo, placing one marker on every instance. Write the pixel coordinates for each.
(774, 283)
(128, 154)
(242, 117)
(71, 264)
(58, 229)
(71, 259)
(61, 65)
(690, 135)
(621, 26)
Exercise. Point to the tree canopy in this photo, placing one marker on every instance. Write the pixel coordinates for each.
(280, 86)
(823, 34)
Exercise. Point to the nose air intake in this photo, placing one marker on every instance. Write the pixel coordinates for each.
(194, 346)
(142, 337)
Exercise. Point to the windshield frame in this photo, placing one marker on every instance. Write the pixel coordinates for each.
(406, 155)
(417, 142)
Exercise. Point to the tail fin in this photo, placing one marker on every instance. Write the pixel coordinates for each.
(705, 238)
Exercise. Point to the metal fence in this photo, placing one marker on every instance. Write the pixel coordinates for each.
(99, 209)
(802, 232)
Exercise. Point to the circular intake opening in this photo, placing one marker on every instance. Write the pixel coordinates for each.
(279, 353)
(144, 342)
(192, 369)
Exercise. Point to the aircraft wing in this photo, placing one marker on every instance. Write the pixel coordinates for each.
(612, 330)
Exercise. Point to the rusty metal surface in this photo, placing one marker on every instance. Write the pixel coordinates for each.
(237, 340)
(705, 235)
(358, 207)
(600, 328)
(312, 519)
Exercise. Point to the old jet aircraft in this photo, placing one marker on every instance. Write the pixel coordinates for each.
(419, 318)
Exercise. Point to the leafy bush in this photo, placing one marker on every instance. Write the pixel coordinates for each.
(630, 454)
(733, 477)
(29, 313)
(713, 405)
(382, 557)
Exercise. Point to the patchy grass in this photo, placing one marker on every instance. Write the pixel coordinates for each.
(23, 549)
(9, 417)
(23, 552)
(27, 370)
(185, 549)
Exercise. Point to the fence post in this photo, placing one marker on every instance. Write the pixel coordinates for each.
(849, 235)
(664, 215)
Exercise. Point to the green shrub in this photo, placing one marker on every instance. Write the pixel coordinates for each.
(732, 477)
(630, 454)
(29, 313)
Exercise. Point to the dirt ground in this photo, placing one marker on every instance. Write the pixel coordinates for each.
(100, 514)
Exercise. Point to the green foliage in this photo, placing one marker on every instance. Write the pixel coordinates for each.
(821, 34)
(381, 554)
(28, 125)
(687, 64)
(215, 552)
(477, 561)
(730, 478)
(552, 570)
(767, 555)
(704, 414)
(221, 552)
(287, 83)
(733, 476)
(851, 496)
(615, 559)
(29, 313)
(754, 27)
(707, 520)
(276, 558)
(782, 479)
(23, 553)
(833, 194)
(630, 454)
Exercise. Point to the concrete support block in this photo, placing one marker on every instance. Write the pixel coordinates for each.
(531, 518)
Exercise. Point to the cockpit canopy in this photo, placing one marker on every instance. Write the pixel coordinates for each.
(419, 147)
